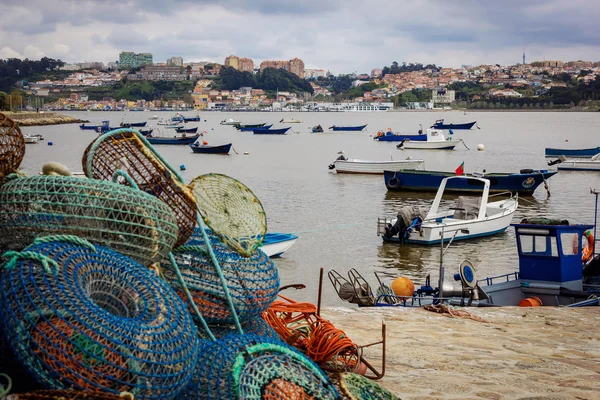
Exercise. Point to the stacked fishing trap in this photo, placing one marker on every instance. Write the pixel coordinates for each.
(131, 284)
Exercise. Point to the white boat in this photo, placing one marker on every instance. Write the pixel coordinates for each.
(470, 217)
(435, 141)
(31, 139)
(230, 121)
(290, 121)
(153, 117)
(345, 165)
(275, 243)
(580, 165)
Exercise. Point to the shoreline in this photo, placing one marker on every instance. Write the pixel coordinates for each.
(518, 353)
(42, 119)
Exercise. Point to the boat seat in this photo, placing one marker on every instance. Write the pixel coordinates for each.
(467, 207)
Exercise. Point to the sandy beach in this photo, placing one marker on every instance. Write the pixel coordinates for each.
(518, 353)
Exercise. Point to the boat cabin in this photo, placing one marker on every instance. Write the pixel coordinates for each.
(435, 135)
(550, 267)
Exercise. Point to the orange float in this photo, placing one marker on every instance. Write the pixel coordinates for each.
(403, 287)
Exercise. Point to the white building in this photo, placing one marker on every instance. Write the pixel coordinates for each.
(442, 96)
(314, 73)
(175, 62)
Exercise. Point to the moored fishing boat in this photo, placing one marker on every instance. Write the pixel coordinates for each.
(132, 124)
(30, 139)
(524, 183)
(260, 131)
(317, 129)
(275, 243)
(242, 126)
(345, 165)
(580, 165)
(252, 128)
(435, 140)
(290, 121)
(146, 132)
(186, 130)
(177, 140)
(390, 136)
(192, 119)
(205, 148)
(439, 124)
(469, 218)
(229, 121)
(347, 128)
(557, 152)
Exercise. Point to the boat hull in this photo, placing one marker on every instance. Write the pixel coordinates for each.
(554, 152)
(208, 149)
(270, 131)
(191, 119)
(348, 128)
(374, 167)
(429, 181)
(175, 140)
(441, 145)
(275, 244)
(133, 124)
(466, 126)
(579, 166)
(399, 138)
(188, 130)
(250, 129)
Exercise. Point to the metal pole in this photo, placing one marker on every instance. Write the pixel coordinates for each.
(320, 292)
(595, 218)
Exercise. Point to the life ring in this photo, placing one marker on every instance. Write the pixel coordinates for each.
(588, 250)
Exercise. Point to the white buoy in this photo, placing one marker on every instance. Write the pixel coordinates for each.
(480, 147)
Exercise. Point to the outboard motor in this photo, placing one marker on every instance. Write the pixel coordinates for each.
(401, 144)
(331, 166)
(558, 161)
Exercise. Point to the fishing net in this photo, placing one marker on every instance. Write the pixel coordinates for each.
(245, 366)
(12, 146)
(69, 395)
(128, 151)
(252, 281)
(84, 317)
(119, 217)
(357, 387)
(231, 210)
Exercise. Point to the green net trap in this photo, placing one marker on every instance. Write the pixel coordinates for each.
(87, 318)
(119, 217)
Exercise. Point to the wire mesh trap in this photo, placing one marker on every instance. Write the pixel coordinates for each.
(127, 151)
(357, 387)
(84, 317)
(231, 211)
(121, 218)
(69, 395)
(12, 146)
(252, 281)
(246, 366)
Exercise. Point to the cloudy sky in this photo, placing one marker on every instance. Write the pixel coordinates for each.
(341, 35)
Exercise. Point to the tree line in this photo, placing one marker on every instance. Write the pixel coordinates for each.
(395, 68)
(13, 70)
(270, 79)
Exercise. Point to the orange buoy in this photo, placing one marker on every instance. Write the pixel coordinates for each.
(403, 287)
(362, 368)
(531, 302)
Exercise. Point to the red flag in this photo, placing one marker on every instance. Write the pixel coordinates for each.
(461, 169)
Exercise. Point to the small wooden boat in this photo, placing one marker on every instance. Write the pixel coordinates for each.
(390, 136)
(209, 149)
(187, 140)
(30, 139)
(435, 141)
(439, 124)
(250, 129)
(132, 124)
(186, 130)
(472, 217)
(523, 183)
(290, 121)
(345, 165)
(230, 121)
(579, 165)
(555, 152)
(275, 244)
(347, 128)
(192, 119)
(146, 132)
(260, 131)
(239, 126)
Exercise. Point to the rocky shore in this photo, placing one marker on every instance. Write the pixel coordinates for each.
(39, 119)
(517, 353)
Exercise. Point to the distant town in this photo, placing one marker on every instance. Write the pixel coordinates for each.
(136, 82)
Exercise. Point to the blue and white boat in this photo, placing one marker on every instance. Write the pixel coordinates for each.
(556, 152)
(275, 243)
(524, 183)
(253, 128)
(399, 137)
(434, 140)
(176, 140)
(471, 217)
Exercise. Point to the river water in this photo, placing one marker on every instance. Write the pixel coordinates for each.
(335, 215)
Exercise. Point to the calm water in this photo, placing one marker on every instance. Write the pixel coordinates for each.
(335, 215)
